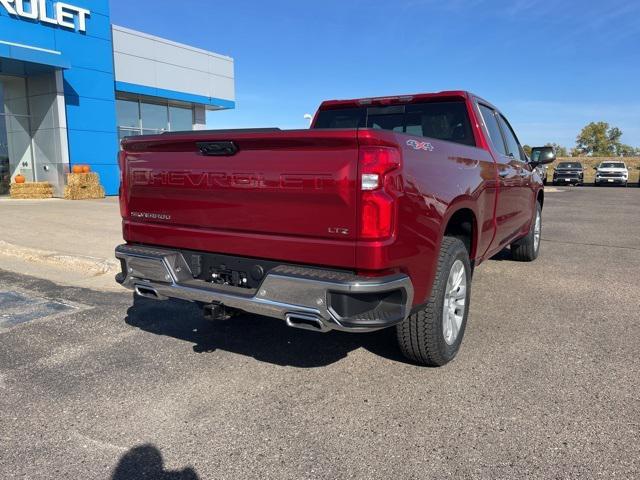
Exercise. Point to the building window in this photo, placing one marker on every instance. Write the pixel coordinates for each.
(138, 117)
(155, 118)
(128, 113)
(180, 118)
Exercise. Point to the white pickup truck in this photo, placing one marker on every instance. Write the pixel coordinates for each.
(615, 173)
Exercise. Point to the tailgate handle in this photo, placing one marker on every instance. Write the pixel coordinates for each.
(217, 149)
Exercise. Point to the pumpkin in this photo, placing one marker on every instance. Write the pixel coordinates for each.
(86, 169)
(20, 178)
(77, 169)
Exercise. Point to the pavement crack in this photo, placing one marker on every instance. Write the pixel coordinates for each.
(590, 244)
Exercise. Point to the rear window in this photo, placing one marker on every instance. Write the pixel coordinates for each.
(440, 120)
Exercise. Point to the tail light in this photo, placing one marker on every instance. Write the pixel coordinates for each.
(122, 192)
(378, 190)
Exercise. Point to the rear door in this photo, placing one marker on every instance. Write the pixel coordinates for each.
(519, 160)
(509, 209)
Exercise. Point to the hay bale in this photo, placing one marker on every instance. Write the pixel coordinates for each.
(83, 179)
(83, 186)
(31, 196)
(31, 190)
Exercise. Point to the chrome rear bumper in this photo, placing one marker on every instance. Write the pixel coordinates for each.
(304, 297)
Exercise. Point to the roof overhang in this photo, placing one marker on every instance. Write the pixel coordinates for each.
(33, 58)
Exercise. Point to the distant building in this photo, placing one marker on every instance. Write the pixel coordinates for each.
(72, 85)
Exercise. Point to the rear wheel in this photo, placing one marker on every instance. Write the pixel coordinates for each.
(527, 249)
(432, 336)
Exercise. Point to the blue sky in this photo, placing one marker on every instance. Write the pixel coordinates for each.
(551, 67)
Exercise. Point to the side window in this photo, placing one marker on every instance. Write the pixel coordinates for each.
(491, 122)
(513, 146)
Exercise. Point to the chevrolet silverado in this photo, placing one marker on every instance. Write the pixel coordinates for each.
(375, 217)
(568, 173)
(612, 172)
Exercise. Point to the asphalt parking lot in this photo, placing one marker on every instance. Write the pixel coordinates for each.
(95, 385)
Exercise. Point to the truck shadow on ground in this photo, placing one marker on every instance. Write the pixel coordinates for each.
(502, 255)
(263, 338)
(145, 463)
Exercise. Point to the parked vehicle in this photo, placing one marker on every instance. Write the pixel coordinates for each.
(373, 218)
(568, 173)
(542, 171)
(615, 173)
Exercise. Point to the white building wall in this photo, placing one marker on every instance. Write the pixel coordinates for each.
(154, 62)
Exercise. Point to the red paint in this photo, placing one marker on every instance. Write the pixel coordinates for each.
(295, 196)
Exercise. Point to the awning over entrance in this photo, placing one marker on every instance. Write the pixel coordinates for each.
(19, 59)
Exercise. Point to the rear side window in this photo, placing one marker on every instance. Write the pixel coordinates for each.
(493, 128)
(440, 120)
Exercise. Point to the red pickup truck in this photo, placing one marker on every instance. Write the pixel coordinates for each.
(374, 217)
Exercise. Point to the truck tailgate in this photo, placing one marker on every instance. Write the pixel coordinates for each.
(265, 186)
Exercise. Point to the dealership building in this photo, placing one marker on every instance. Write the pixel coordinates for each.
(72, 85)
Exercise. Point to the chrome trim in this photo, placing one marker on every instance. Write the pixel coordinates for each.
(148, 292)
(322, 327)
(280, 295)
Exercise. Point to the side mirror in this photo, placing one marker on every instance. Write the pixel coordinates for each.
(542, 156)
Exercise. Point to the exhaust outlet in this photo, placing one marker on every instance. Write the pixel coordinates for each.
(306, 321)
(148, 292)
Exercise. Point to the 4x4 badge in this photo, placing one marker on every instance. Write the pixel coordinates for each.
(416, 145)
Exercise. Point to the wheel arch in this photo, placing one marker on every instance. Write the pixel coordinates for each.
(461, 221)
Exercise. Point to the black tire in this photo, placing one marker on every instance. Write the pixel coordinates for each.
(421, 336)
(526, 249)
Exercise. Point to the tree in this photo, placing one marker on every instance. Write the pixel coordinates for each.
(599, 139)
(627, 150)
(575, 152)
(527, 150)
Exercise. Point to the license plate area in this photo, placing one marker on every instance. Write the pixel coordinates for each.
(228, 270)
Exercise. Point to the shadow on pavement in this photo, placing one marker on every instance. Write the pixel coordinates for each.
(263, 338)
(145, 463)
(502, 255)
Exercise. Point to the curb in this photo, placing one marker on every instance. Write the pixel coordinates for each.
(91, 265)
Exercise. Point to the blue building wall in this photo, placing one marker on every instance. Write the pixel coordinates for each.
(88, 81)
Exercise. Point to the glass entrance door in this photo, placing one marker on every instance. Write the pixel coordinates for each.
(16, 155)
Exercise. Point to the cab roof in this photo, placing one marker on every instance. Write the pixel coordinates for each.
(395, 99)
